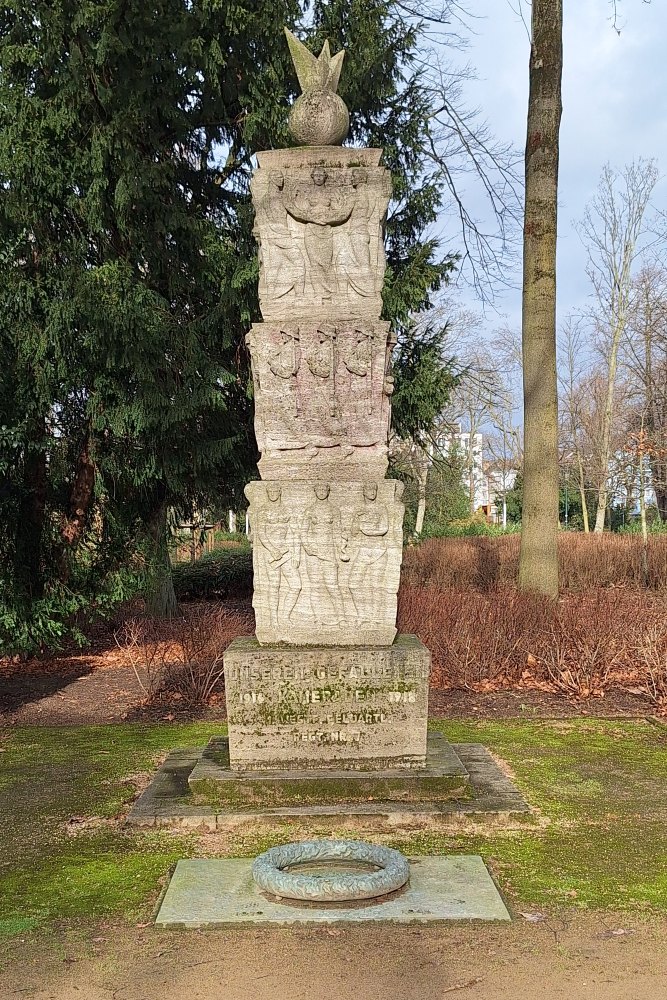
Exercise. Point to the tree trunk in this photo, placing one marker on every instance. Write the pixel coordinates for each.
(538, 562)
(159, 596)
(607, 419)
(422, 476)
(28, 574)
(642, 518)
(81, 498)
(582, 493)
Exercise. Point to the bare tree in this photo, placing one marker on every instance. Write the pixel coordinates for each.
(645, 357)
(575, 401)
(461, 151)
(538, 562)
(612, 230)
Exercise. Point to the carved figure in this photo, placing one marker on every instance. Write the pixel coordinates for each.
(354, 253)
(324, 546)
(278, 556)
(282, 264)
(319, 208)
(284, 364)
(359, 363)
(369, 553)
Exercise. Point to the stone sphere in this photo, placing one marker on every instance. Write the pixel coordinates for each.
(319, 118)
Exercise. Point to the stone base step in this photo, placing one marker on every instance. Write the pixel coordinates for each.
(212, 782)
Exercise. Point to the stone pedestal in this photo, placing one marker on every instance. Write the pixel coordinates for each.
(324, 708)
(326, 686)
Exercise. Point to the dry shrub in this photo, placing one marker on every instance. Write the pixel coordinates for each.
(586, 562)
(476, 641)
(651, 670)
(183, 656)
(583, 645)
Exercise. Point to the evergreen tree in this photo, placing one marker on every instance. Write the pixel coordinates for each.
(128, 269)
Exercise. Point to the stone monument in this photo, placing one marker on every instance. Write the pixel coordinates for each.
(326, 683)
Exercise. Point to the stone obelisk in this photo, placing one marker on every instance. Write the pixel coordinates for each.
(326, 683)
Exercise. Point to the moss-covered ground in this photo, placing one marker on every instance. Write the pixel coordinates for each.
(64, 854)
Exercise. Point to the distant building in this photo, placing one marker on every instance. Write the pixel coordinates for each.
(484, 481)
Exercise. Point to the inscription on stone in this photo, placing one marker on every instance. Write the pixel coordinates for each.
(361, 704)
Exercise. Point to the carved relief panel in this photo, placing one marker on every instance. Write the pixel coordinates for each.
(320, 228)
(322, 399)
(327, 559)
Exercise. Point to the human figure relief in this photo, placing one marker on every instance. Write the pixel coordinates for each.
(278, 556)
(322, 362)
(319, 208)
(282, 263)
(369, 554)
(284, 364)
(359, 363)
(324, 545)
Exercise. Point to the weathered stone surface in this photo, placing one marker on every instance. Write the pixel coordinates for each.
(319, 220)
(332, 882)
(213, 783)
(327, 707)
(322, 399)
(440, 888)
(327, 561)
(189, 782)
(319, 117)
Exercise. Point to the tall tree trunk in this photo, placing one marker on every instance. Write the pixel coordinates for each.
(422, 477)
(80, 501)
(607, 419)
(538, 562)
(159, 596)
(582, 492)
(28, 574)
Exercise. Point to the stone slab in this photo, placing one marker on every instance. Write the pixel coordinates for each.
(327, 708)
(493, 800)
(327, 564)
(212, 782)
(210, 892)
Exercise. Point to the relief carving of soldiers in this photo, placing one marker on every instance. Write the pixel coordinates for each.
(278, 555)
(282, 264)
(324, 546)
(322, 362)
(277, 405)
(284, 363)
(369, 554)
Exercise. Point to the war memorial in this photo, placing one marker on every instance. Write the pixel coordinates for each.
(327, 705)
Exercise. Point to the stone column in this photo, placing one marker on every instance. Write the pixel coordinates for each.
(327, 527)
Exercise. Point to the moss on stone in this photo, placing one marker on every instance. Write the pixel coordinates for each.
(247, 793)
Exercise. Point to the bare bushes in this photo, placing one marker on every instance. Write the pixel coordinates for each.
(586, 562)
(183, 657)
(582, 646)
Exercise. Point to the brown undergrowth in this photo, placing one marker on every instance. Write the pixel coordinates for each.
(182, 658)
(583, 645)
(586, 562)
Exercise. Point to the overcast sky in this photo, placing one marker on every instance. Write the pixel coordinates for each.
(614, 107)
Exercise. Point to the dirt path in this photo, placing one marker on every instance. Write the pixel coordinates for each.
(585, 958)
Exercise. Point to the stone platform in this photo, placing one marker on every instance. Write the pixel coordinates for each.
(212, 782)
(207, 892)
(490, 799)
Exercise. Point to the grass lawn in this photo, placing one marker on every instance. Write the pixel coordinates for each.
(603, 785)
